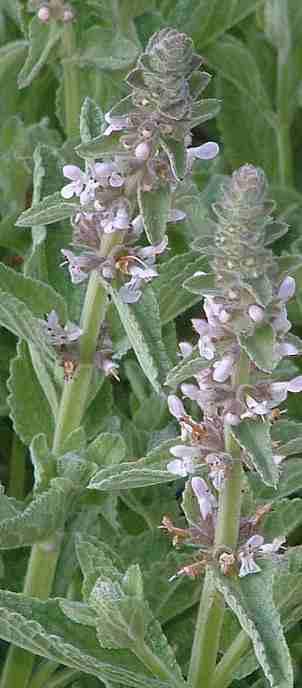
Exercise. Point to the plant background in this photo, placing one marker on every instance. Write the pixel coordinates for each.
(255, 55)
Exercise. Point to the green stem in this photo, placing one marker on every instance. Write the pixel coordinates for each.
(72, 96)
(285, 164)
(43, 673)
(38, 582)
(62, 678)
(154, 664)
(44, 556)
(211, 609)
(17, 469)
(75, 393)
(224, 673)
(283, 125)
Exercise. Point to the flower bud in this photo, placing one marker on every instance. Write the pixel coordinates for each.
(142, 151)
(44, 14)
(256, 313)
(68, 14)
(287, 289)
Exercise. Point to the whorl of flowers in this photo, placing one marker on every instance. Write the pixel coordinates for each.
(245, 311)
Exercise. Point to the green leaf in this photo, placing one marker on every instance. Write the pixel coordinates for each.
(174, 300)
(43, 628)
(203, 284)
(19, 320)
(251, 600)
(177, 154)
(290, 481)
(39, 297)
(99, 147)
(283, 519)
(29, 408)
(43, 462)
(188, 367)
(254, 438)
(190, 506)
(107, 449)
(51, 209)
(260, 347)
(12, 56)
(42, 39)
(206, 22)
(204, 110)
(107, 49)
(95, 561)
(261, 289)
(40, 519)
(92, 120)
(150, 470)
(154, 207)
(288, 434)
(244, 100)
(141, 322)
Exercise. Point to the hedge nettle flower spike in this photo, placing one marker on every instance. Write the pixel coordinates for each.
(152, 153)
(245, 310)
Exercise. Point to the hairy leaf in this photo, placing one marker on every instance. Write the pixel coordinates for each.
(254, 438)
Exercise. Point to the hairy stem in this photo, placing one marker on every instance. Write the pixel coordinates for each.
(72, 96)
(284, 117)
(211, 609)
(44, 556)
(38, 582)
(155, 665)
(224, 673)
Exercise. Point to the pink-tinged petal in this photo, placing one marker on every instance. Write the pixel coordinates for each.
(44, 14)
(138, 224)
(53, 320)
(256, 313)
(207, 151)
(177, 467)
(176, 406)
(190, 391)
(223, 369)
(287, 289)
(142, 151)
(254, 542)
(206, 348)
(205, 498)
(68, 191)
(200, 326)
(224, 316)
(287, 349)
(103, 169)
(176, 215)
(248, 565)
(181, 451)
(116, 180)
(72, 172)
(185, 349)
(231, 419)
(295, 385)
(129, 294)
(272, 547)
